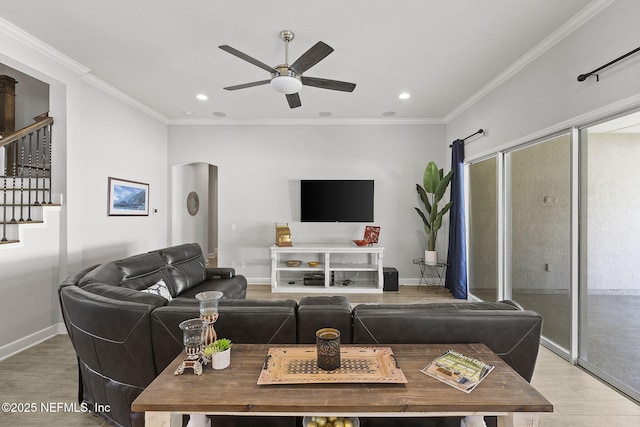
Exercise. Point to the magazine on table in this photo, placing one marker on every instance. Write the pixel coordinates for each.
(457, 370)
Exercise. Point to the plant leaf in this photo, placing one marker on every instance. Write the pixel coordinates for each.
(424, 198)
(424, 218)
(442, 186)
(431, 178)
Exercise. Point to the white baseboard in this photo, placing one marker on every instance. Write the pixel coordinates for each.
(24, 343)
(267, 281)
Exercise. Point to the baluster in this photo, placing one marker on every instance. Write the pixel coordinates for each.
(13, 184)
(22, 180)
(37, 203)
(50, 162)
(4, 207)
(44, 164)
(30, 169)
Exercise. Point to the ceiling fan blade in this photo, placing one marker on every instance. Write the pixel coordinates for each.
(328, 84)
(294, 100)
(315, 54)
(246, 85)
(247, 58)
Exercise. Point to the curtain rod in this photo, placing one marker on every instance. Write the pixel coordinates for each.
(583, 77)
(479, 131)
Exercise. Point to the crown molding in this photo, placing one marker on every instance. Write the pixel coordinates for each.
(118, 94)
(588, 12)
(304, 122)
(39, 46)
(23, 37)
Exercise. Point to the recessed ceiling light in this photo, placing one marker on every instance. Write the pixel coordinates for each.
(187, 113)
(404, 95)
(324, 113)
(202, 97)
(219, 114)
(389, 113)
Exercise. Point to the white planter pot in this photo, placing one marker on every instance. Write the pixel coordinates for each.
(221, 360)
(431, 257)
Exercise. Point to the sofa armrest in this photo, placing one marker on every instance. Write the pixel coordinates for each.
(220, 273)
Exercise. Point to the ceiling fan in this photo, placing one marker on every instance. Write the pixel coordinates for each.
(289, 79)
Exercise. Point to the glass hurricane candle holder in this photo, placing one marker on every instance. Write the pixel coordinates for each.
(209, 313)
(193, 337)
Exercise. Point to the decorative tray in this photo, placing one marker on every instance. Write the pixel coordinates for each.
(298, 365)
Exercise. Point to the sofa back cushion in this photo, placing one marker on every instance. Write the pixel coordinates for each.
(242, 321)
(186, 265)
(512, 334)
(135, 272)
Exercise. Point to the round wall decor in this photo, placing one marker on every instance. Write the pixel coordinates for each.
(193, 203)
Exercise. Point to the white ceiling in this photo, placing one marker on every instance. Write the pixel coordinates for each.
(164, 52)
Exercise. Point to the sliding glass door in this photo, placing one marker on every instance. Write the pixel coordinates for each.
(609, 344)
(539, 233)
(555, 225)
(483, 230)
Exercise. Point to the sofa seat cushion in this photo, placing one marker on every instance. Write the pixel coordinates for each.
(185, 264)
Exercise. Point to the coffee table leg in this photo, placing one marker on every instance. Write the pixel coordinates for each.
(519, 419)
(162, 419)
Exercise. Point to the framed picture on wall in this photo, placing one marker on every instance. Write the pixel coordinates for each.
(127, 198)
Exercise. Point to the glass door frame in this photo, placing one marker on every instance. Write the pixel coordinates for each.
(503, 171)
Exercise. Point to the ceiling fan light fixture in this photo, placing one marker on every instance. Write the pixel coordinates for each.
(286, 84)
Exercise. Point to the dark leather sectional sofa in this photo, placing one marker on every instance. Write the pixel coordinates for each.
(124, 337)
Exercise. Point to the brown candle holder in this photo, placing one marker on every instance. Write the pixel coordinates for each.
(328, 347)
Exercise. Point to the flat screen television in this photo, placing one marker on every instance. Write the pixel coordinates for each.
(336, 200)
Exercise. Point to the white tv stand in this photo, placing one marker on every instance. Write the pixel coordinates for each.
(340, 264)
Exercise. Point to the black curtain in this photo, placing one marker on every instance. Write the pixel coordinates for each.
(456, 278)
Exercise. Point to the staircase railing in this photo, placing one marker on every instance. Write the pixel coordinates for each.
(27, 161)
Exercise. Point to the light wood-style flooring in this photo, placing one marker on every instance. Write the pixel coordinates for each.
(46, 375)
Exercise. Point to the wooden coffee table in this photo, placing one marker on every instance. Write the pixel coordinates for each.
(234, 391)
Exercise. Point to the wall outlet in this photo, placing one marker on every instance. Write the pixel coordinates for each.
(547, 267)
(233, 226)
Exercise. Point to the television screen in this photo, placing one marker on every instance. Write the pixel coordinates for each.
(336, 200)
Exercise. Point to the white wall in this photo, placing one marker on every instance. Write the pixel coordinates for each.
(95, 135)
(260, 167)
(122, 142)
(546, 96)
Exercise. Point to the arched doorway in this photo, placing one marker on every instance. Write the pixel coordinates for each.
(194, 207)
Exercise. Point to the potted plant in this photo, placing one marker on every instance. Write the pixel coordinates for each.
(219, 352)
(431, 192)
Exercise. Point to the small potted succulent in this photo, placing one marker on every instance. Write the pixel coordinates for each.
(219, 352)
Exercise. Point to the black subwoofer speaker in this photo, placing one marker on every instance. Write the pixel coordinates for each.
(390, 279)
